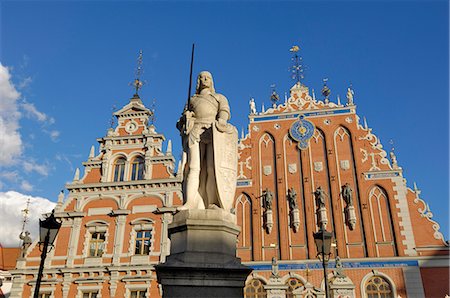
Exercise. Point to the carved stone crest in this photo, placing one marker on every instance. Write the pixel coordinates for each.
(345, 164)
(292, 168)
(318, 166)
(267, 170)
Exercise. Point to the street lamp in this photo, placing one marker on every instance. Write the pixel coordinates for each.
(323, 241)
(48, 229)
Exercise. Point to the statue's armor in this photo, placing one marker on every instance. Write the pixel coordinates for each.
(206, 108)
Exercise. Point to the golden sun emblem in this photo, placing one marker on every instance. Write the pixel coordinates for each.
(302, 130)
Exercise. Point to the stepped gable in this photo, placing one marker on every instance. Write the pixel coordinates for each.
(339, 150)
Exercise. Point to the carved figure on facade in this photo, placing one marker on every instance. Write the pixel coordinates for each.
(209, 149)
(267, 199)
(292, 198)
(350, 94)
(347, 194)
(26, 243)
(252, 106)
(319, 194)
(321, 212)
(350, 214)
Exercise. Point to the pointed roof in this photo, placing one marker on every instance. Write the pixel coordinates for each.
(133, 108)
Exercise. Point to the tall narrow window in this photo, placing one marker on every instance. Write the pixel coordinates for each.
(143, 242)
(378, 287)
(137, 169)
(119, 169)
(96, 245)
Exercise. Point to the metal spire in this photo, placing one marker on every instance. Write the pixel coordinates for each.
(297, 66)
(137, 83)
(25, 213)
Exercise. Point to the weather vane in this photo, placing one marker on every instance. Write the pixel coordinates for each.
(25, 213)
(274, 97)
(137, 83)
(297, 66)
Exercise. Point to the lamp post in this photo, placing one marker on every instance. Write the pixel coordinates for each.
(323, 241)
(48, 229)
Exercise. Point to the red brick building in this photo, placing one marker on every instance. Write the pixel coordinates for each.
(115, 217)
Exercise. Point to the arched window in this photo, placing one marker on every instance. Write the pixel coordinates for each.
(137, 168)
(255, 289)
(119, 169)
(378, 287)
(293, 284)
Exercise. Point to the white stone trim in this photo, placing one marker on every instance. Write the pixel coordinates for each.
(413, 282)
(404, 216)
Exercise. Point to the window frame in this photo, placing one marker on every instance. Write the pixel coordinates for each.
(137, 169)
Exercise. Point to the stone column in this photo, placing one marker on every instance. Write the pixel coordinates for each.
(202, 260)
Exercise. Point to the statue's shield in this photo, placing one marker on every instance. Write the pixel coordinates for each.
(225, 165)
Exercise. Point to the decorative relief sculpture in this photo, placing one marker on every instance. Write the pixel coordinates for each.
(267, 198)
(350, 214)
(209, 149)
(293, 207)
(252, 106)
(321, 211)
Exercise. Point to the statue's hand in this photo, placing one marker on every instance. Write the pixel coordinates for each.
(222, 125)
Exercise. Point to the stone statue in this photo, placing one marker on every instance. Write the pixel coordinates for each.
(209, 149)
(252, 106)
(275, 272)
(320, 197)
(347, 194)
(267, 199)
(292, 198)
(350, 96)
(26, 242)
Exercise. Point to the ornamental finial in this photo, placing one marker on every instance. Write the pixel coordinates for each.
(297, 66)
(325, 90)
(137, 83)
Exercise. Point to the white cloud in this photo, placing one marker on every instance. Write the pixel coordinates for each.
(32, 166)
(10, 138)
(11, 205)
(26, 186)
(10, 176)
(33, 112)
(25, 83)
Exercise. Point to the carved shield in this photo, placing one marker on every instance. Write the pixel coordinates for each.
(225, 164)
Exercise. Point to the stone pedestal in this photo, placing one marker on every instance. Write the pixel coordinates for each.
(202, 260)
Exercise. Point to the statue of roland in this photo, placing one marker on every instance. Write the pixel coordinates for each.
(209, 149)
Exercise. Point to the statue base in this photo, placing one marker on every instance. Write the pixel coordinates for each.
(202, 260)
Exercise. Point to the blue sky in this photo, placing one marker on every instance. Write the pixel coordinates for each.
(72, 62)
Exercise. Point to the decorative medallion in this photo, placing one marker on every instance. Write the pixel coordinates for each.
(327, 121)
(318, 166)
(348, 120)
(292, 168)
(345, 164)
(302, 130)
(267, 170)
(131, 127)
(277, 126)
(256, 128)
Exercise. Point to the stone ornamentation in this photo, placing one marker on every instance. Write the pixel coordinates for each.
(209, 149)
(321, 210)
(345, 164)
(318, 166)
(302, 131)
(350, 214)
(293, 207)
(267, 198)
(292, 168)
